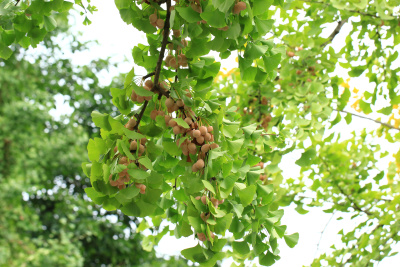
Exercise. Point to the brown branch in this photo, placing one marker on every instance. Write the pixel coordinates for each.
(148, 75)
(366, 118)
(322, 233)
(335, 32)
(156, 88)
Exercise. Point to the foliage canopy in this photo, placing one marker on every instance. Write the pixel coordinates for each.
(203, 149)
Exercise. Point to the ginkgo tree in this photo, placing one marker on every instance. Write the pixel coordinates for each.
(203, 150)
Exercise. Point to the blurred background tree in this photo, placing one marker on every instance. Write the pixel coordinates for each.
(46, 218)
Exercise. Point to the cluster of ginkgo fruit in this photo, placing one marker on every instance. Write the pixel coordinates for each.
(179, 59)
(136, 146)
(197, 139)
(206, 215)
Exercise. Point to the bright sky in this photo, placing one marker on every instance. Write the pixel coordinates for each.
(116, 40)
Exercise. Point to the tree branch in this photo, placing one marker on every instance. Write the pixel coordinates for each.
(156, 88)
(335, 32)
(366, 118)
(322, 233)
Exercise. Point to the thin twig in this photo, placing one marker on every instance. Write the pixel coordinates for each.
(366, 118)
(148, 75)
(322, 233)
(352, 201)
(335, 32)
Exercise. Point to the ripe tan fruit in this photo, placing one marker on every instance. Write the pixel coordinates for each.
(215, 202)
(224, 28)
(153, 18)
(203, 130)
(239, 6)
(133, 145)
(176, 33)
(221, 201)
(188, 121)
(180, 103)
(210, 129)
(205, 148)
(196, 7)
(175, 107)
(160, 23)
(172, 123)
(140, 99)
(192, 148)
(173, 63)
(177, 129)
(290, 53)
(204, 217)
(214, 146)
(169, 103)
(131, 123)
(194, 168)
(143, 140)
(200, 164)
(168, 59)
(141, 149)
(184, 42)
(123, 160)
(200, 139)
(197, 198)
(207, 137)
(196, 133)
(167, 119)
(204, 199)
(201, 237)
(153, 114)
(188, 94)
(134, 96)
(171, 46)
(149, 83)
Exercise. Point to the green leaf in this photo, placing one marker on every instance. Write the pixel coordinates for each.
(49, 23)
(181, 123)
(246, 195)
(171, 148)
(291, 240)
(234, 146)
(223, 5)
(188, 14)
(101, 120)
(241, 247)
(209, 186)
(5, 51)
(195, 254)
(254, 51)
(139, 90)
(261, 6)
(146, 162)
(214, 18)
(306, 157)
(272, 62)
(123, 4)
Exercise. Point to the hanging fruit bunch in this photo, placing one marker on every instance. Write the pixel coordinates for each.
(176, 152)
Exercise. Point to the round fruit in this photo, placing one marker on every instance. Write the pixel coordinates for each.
(123, 160)
(172, 123)
(173, 63)
(180, 103)
(290, 54)
(204, 217)
(131, 123)
(160, 23)
(133, 96)
(201, 237)
(188, 121)
(205, 148)
(141, 149)
(153, 114)
(140, 99)
(210, 129)
(149, 83)
(177, 129)
(167, 119)
(200, 164)
(214, 146)
(196, 133)
(204, 200)
(143, 140)
(176, 33)
(203, 130)
(200, 139)
(153, 18)
(207, 137)
(192, 148)
(133, 145)
(169, 103)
